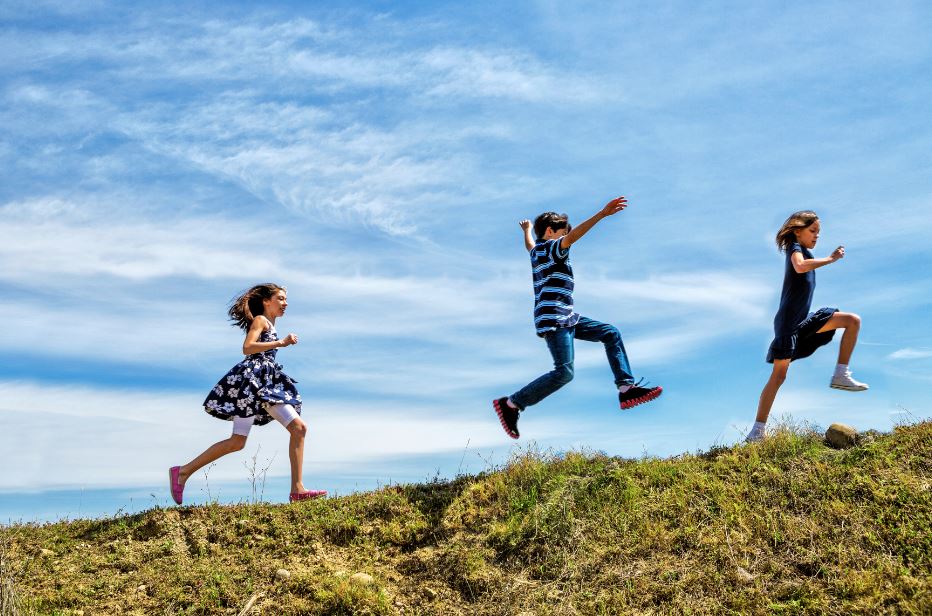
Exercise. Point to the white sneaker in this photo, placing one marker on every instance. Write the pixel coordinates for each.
(844, 381)
(754, 436)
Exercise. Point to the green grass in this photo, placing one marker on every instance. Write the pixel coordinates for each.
(788, 526)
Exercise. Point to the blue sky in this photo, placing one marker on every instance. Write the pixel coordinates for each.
(376, 158)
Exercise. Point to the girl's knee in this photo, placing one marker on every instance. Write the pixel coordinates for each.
(297, 427)
(780, 368)
(849, 320)
(236, 442)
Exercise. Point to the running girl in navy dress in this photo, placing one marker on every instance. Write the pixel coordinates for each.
(255, 391)
(798, 333)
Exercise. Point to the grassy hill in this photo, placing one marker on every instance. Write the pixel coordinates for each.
(788, 526)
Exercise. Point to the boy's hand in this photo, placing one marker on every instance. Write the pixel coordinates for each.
(614, 206)
(528, 236)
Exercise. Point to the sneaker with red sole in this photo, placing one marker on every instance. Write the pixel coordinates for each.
(507, 416)
(637, 394)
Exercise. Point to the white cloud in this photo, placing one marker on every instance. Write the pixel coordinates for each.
(474, 73)
(910, 353)
(139, 434)
(739, 294)
(52, 237)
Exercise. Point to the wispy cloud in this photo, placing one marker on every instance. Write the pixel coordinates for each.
(909, 353)
(280, 109)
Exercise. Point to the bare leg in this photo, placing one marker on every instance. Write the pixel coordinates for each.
(851, 323)
(769, 394)
(214, 452)
(298, 430)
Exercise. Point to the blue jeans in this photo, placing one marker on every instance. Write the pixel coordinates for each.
(560, 343)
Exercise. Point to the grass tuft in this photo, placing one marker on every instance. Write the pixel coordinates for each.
(9, 595)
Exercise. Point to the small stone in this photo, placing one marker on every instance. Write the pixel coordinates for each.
(47, 553)
(282, 574)
(141, 588)
(242, 522)
(362, 578)
(841, 436)
(744, 575)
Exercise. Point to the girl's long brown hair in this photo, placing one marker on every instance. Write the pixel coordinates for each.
(248, 306)
(797, 220)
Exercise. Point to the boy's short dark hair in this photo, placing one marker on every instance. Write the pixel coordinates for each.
(550, 219)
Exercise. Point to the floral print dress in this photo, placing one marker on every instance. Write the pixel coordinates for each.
(250, 385)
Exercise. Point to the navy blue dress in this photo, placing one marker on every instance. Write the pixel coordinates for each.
(795, 328)
(251, 384)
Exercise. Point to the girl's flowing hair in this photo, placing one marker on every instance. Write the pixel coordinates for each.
(797, 220)
(248, 306)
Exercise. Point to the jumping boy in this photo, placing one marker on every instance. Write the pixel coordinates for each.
(558, 324)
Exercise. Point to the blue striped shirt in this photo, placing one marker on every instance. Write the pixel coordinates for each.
(553, 287)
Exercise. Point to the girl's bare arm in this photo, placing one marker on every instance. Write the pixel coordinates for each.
(803, 265)
(252, 345)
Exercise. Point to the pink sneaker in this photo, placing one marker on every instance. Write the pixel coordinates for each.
(307, 494)
(176, 486)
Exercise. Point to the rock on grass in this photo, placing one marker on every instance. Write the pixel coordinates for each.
(841, 436)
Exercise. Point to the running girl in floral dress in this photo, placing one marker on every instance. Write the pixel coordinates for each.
(255, 391)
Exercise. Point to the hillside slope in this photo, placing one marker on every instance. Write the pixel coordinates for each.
(788, 526)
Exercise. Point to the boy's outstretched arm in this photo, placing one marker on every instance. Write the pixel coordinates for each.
(612, 207)
(528, 237)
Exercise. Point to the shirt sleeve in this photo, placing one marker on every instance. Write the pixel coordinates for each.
(557, 251)
(795, 247)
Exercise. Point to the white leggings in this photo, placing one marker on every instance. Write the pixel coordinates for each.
(284, 413)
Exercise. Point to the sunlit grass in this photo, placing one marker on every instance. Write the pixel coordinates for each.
(787, 526)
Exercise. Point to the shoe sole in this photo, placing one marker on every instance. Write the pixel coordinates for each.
(652, 395)
(501, 420)
(847, 388)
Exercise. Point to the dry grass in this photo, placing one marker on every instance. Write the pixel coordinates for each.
(9, 596)
(785, 527)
